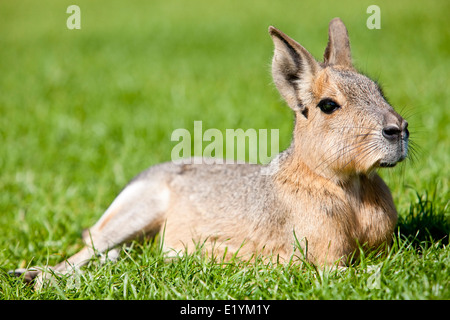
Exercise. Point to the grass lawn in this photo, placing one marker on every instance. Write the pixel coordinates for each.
(83, 111)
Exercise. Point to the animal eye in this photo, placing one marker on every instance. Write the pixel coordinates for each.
(328, 106)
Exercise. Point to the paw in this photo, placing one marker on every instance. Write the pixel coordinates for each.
(28, 274)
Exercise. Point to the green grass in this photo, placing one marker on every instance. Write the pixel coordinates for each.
(83, 111)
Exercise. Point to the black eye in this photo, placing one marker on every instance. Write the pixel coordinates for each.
(328, 106)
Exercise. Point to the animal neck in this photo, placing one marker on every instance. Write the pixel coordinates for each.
(295, 174)
(295, 170)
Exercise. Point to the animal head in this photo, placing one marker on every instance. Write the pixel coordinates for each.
(344, 125)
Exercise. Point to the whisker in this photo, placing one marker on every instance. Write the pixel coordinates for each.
(347, 148)
(353, 127)
(370, 146)
(413, 152)
(342, 154)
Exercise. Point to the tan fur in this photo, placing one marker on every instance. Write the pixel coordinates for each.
(322, 193)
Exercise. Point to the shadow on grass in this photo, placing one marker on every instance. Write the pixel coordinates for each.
(426, 221)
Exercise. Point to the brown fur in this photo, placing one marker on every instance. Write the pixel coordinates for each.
(322, 193)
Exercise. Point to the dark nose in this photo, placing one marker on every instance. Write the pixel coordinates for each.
(391, 132)
(405, 130)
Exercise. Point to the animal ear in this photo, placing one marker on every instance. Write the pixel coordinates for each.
(338, 48)
(292, 67)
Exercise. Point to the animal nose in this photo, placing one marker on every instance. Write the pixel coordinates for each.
(405, 130)
(391, 132)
